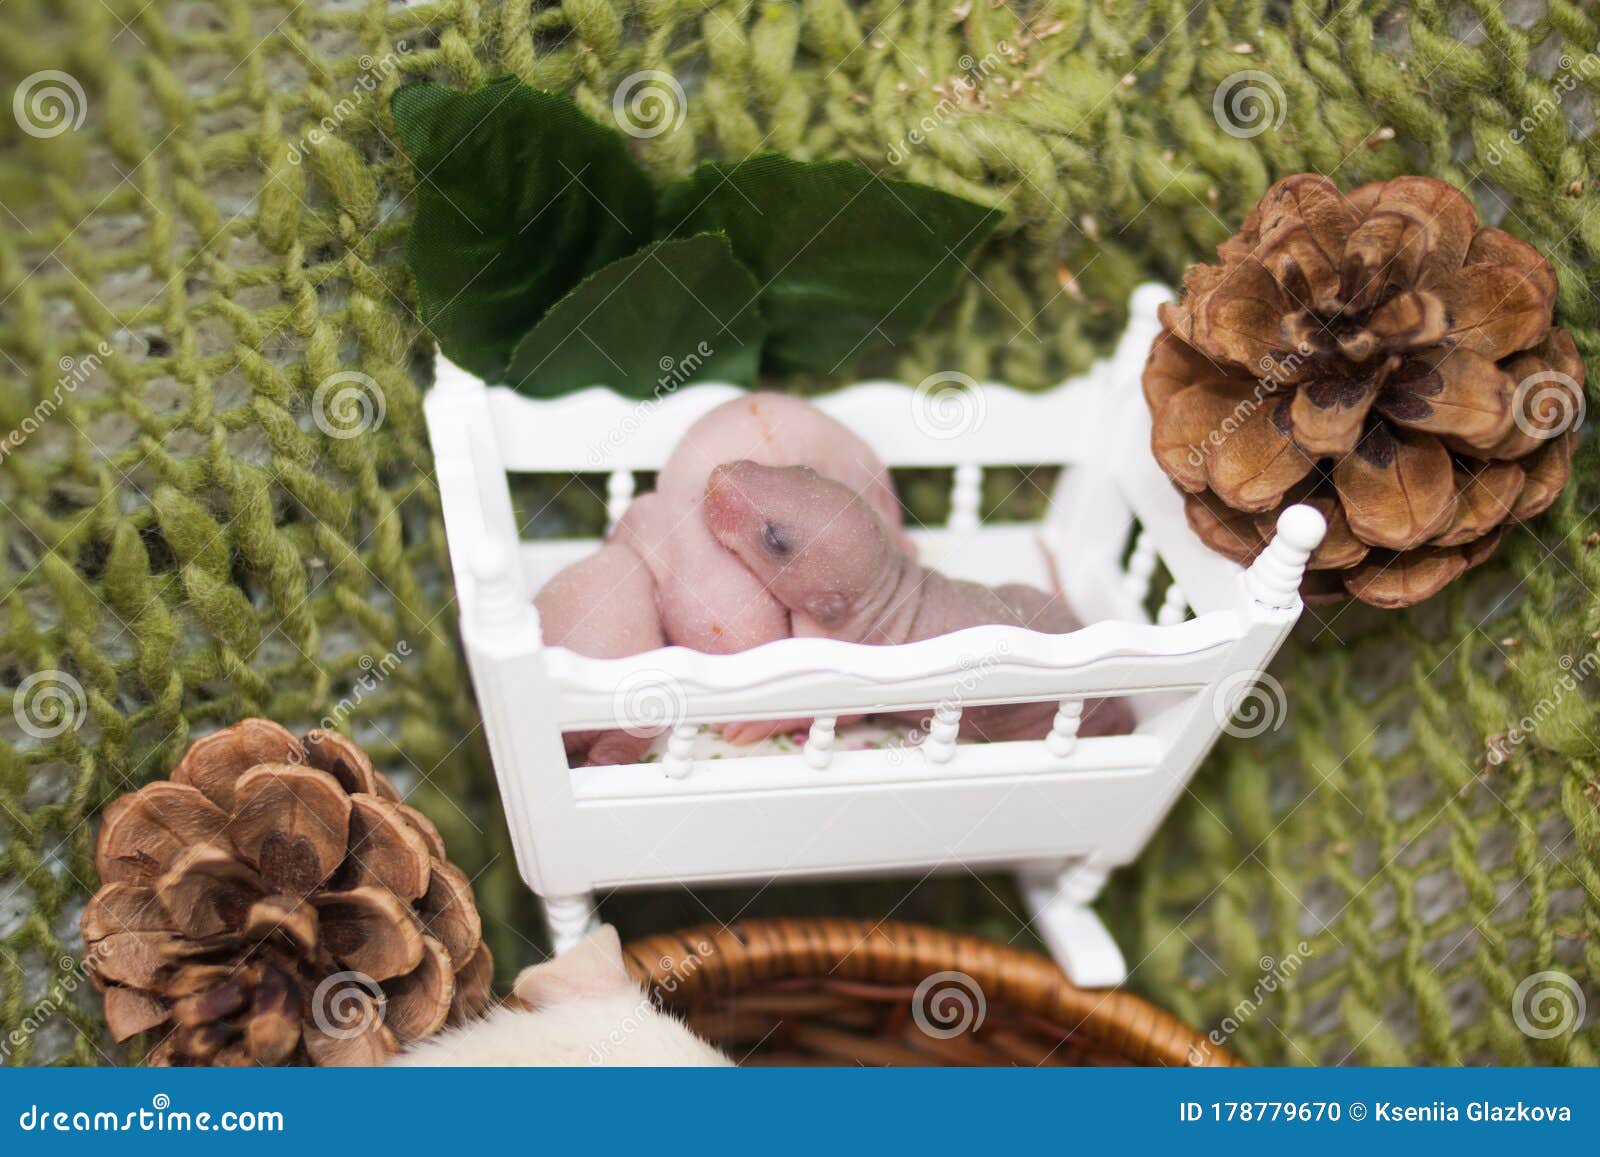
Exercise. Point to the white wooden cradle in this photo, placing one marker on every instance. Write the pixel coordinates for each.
(1061, 811)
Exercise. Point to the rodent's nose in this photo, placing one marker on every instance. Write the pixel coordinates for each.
(724, 504)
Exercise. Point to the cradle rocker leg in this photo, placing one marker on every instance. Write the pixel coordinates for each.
(570, 918)
(1059, 902)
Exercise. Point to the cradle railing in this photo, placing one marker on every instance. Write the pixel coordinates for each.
(1063, 811)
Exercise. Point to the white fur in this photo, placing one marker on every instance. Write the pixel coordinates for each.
(587, 1011)
(616, 1030)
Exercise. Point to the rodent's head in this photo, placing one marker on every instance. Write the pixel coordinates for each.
(814, 543)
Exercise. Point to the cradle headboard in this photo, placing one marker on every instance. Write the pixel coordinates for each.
(947, 420)
(1114, 515)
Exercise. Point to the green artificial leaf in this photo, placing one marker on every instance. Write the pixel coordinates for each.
(519, 197)
(844, 257)
(675, 312)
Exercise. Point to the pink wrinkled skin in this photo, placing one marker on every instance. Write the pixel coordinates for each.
(826, 554)
(771, 520)
(709, 600)
(663, 579)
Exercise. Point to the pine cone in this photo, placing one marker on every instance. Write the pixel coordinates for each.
(276, 903)
(1381, 357)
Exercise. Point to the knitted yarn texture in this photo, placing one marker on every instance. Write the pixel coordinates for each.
(216, 500)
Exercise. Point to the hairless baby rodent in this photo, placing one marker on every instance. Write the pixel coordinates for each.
(709, 601)
(663, 579)
(826, 555)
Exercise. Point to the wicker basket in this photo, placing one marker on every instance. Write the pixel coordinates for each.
(846, 992)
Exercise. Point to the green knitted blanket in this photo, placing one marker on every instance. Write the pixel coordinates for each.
(208, 231)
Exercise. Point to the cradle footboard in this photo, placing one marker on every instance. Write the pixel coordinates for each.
(1063, 809)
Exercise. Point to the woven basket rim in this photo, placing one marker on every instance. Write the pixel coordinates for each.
(710, 962)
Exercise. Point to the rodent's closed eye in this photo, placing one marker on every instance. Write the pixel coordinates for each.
(775, 541)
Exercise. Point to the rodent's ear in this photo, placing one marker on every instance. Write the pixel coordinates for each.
(591, 968)
(829, 609)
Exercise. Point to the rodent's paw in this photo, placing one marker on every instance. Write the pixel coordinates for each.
(617, 747)
(744, 734)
